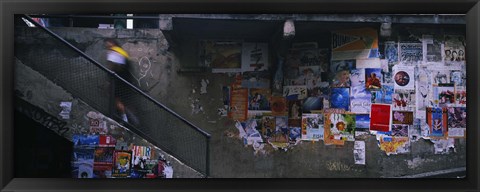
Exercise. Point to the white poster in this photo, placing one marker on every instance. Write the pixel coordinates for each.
(403, 77)
(359, 152)
(254, 57)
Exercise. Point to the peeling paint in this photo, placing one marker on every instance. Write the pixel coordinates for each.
(443, 146)
(204, 84)
(196, 107)
(223, 111)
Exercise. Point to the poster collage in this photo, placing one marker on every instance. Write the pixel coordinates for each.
(100, 155)
(400, 93)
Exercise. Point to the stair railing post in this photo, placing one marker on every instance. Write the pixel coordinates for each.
(207, 166)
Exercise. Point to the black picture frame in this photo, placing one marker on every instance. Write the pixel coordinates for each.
(8, 8)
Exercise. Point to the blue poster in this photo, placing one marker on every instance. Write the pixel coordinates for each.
(437, 123)
(391, 51)
(384, 95)
(340, 98)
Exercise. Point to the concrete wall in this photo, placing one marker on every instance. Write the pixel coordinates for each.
(229, 157)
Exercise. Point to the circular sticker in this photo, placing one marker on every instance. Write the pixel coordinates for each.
(402, 78)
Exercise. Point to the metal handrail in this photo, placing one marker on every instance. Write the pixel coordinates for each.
(116, 75)
(112, 74)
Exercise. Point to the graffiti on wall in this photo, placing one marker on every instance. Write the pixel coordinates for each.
(42, 117)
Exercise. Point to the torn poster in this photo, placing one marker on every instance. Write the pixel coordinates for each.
(312, 104)
(404, 77)
(362, 125)
(342, 65)
(256, 80)
(410, 53)
(103, 162)
(443, 146)
(168, 171)
(457, 117)
(393, 145)
(204, 84)
(121, 164)
(457, 132)
(295, 92)
(444, 95)
(268, 126)
(295, 135)
(404, 100)
(357, 77)
(380, 117)
(341, 79)
(359, 152)
(258, 99)
(458, 77)
(329, 137)
(454, 49)
(241, 130)
(140, 154)
(279, 138)
(391, 51)
(457, 121)
(295, 113)
(460, 96)
(98, 126)
(340, 98)
(252, 135)
(311, 77)
(83, 159)
(239, 104)
(373, 78)
(279, 106)
(437, 120)
(360, 99)
(386, 71)
(107, 141)
(368, 63)
(312, 127)
(359, 43)
(402, 117)
(432, 49)
(384, 95)
(423, 98)
(399, 130)
(414, 132)
(86, 140)
(221, 56)
(66, 109)
(342, 126)
(254, 57)
(223, 111)
(440, 74)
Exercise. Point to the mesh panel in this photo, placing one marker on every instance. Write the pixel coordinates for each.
(87, 81)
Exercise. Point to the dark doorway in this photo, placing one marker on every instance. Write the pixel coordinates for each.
(39, 152)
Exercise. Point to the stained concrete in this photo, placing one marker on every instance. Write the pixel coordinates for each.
(229, 157)
(41, 92)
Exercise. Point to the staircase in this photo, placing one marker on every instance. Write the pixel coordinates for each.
(91, 82)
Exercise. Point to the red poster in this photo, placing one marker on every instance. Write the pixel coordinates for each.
(239, 104)
(380, 117)
(107, 141)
